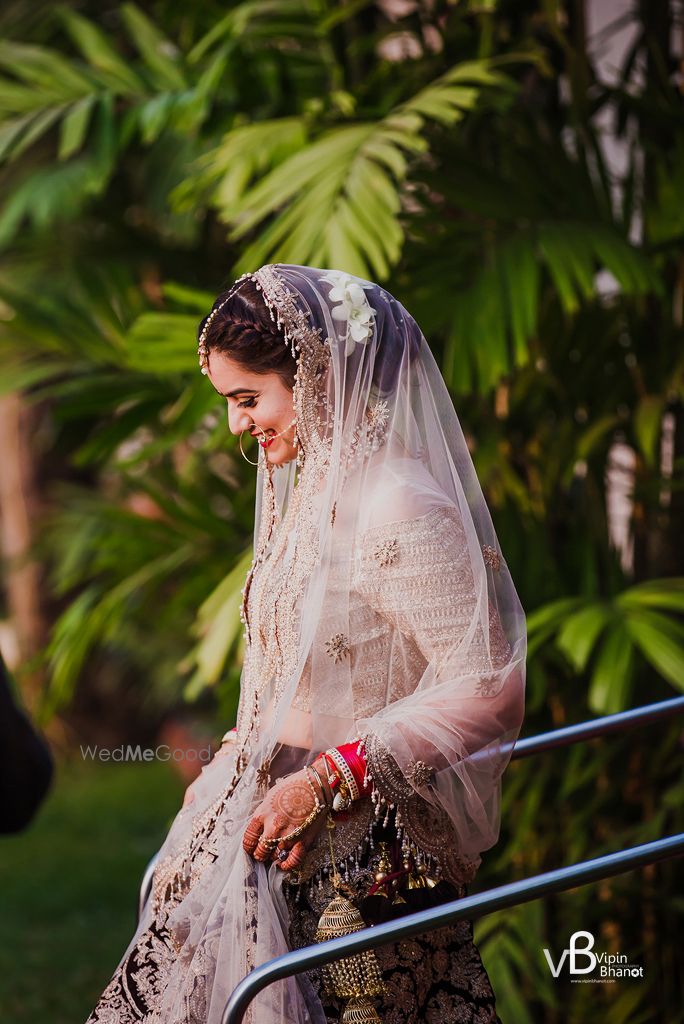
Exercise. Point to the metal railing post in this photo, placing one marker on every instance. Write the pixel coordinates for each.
(469, 907)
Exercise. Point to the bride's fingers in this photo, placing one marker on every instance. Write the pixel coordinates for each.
(252, 834)
(294, 859)
(282, 851)
(274, 829)
(262, 852)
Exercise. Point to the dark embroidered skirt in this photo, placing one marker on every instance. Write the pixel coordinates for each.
(435, 978)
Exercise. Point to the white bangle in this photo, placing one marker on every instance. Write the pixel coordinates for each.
(345, 772)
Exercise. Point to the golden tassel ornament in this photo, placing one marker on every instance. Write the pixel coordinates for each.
(356, 978)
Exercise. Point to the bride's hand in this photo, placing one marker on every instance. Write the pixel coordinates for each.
(289, 803)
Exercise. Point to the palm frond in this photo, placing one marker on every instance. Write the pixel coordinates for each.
(496, 317)
(337, 200)
(610, 634)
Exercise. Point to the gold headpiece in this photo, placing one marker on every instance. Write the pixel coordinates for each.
(202, 350)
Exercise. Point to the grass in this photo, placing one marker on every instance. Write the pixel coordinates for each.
(69, 883)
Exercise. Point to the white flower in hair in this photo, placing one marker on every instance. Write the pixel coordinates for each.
(354, 308)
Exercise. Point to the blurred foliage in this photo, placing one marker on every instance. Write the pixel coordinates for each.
(461, 154)
(70, 886)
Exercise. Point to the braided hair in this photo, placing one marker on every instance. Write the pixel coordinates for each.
(243, 330)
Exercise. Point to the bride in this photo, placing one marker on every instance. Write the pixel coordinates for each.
(382, 685)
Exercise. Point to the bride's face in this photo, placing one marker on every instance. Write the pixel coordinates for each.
(257, 403)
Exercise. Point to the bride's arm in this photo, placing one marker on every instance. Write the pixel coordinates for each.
(448, 740)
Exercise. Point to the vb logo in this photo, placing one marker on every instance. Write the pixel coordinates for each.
(578, 951)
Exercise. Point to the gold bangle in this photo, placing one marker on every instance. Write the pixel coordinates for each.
(317, 802)
(320, 783)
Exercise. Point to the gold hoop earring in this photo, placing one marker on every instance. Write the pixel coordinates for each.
(243, 454)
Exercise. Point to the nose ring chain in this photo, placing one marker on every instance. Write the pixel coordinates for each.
(262, 438)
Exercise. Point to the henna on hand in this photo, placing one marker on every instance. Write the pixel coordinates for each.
(252, 834)
(261, 852)
(294, 801)
(283, 809)
(295, 858)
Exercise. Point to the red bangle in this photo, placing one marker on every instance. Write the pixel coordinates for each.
(357, 766)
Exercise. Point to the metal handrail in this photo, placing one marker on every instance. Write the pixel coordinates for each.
(594, 727)
(469, 907)
(483, 903)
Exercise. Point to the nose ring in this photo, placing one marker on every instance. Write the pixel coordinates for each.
(243, 454)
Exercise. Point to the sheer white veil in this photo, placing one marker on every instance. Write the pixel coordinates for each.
(382, 504)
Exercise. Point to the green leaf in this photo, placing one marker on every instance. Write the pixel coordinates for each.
(199, 300)
(53, 193)
(661, 641)
(164, 342)
(552, 614)
(611, 680)
(665, 593)
(93, 617)
(11, 131)
(161, 56)
(35, 128)
(218, 624)
(594, 435)
(98, 51)
(578, 635)
(154, 115)
(647, 420)
(308, 193)
(74, 127)
(17, 376)
(520, 279)
(46, 71)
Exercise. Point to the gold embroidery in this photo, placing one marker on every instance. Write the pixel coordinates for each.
(419, 773)
(350, 830)
(278, 577)
(428, 826)
(491, 557)
(263, 775)
(337, 646)
(486, 686)
(370, 433)
(378, 415)
(385, 772)
(386, 551)
(431, 609)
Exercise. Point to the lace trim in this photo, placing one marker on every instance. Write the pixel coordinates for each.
(425, 825)
(312, 355)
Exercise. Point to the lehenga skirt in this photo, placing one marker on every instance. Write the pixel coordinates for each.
(434, 978)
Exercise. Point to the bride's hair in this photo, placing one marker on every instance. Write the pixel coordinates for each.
(243, 330)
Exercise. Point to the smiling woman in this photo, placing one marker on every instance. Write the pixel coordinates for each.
(250, 365)
(257, 403)
(382, 683)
